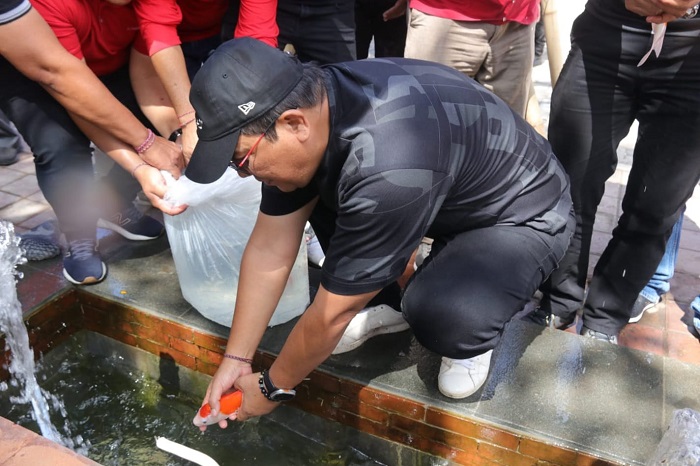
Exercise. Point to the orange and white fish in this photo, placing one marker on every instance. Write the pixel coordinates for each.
(228, 404)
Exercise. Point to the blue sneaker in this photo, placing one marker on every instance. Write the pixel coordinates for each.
(695, 307)
(82, 264)
(133, 225)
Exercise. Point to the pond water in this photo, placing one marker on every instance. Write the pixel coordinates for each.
(119, 411)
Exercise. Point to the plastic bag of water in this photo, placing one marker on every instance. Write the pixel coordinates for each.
(207, 242)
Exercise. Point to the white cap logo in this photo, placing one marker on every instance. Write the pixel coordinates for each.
(247, 107)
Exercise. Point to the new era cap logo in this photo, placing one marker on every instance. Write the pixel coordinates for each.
(246, 108)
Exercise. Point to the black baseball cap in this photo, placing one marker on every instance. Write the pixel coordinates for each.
(242, 80)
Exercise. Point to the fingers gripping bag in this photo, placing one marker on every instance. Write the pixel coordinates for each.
(207, 242)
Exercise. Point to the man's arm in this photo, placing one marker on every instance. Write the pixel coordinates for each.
(660, 11)
(74, 85)
(265, 267)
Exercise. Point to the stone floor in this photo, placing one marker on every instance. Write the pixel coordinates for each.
(615, 402)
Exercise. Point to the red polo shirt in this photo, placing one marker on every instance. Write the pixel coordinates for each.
(94, 30)
(165, 23)
(487, 11)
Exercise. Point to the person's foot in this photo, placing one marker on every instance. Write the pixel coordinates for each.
(370, 322)
(82, 264)
(588, 333)
(41, 242)
(641, 305)
(314, 251)
(132, 224)
(546, 319)
(459, 378)
(695, 307)
(8, 155)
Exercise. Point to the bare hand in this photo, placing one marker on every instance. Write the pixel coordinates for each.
(154, 187)
(189, 141)
(660, 11)
(165, 155)
(396, 11)
(226, 375)
(254, 403)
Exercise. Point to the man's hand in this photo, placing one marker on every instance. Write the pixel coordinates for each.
(226, 375)
(165, 155)
(189, 141)
(254, 402)
(396, 11)
(660, 11)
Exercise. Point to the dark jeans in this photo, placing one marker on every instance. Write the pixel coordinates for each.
(62, 153)
(389, 36)
(471, 285)
(600, 92)
(320, 31)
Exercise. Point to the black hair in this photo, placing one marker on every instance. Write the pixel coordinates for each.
(308, 93)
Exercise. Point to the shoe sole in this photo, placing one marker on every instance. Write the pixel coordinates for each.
(102, 223)
(88, 280)
(378, 331)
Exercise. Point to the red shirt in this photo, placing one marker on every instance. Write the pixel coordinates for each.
(96, 30)
(487, 11)
(165, 23)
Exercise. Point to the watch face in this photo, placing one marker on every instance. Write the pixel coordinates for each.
(282, 395)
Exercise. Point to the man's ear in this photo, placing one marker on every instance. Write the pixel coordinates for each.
(294, 120)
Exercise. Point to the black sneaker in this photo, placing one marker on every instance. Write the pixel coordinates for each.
(133, 225)
(587, 332)
(562, 323)
(641, 305)
(82, 264)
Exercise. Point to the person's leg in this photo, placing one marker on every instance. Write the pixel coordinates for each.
(363, 27)
(319, 31)
(667, 149)
(660, 282)
(590, 115)
(507, 70)
(461, 297)
(389, 36)
(197, 52)
(118, 188)
(64, 171)
(461, 45)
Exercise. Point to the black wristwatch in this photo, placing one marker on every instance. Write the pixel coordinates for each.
(273, 393)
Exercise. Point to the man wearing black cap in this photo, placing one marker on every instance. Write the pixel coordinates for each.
(390, 151)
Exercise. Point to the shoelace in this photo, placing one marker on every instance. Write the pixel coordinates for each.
(82, 249)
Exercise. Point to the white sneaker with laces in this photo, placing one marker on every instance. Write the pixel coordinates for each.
(459, 378)
(370, 322)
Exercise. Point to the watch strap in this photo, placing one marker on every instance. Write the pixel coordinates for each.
(271, 392)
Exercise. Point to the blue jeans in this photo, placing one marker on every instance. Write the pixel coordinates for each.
(660, 283)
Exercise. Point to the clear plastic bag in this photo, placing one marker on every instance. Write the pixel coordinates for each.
(680, 445)
(207, 242)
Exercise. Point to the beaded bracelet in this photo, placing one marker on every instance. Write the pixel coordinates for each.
(133, 170)
(238, 358)
(185, 114)
(145, 145)
(187, 123)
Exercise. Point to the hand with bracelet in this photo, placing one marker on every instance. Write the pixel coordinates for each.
(231, 371)
(188, 130)
(162, 154)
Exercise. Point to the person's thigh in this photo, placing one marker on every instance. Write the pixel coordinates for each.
(471, 285)
(458, 44)
(507, 69)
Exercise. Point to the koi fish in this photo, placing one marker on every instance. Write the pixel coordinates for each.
(228, 404)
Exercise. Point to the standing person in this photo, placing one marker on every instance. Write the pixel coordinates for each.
(491, 41)
(393, 149)
(63, 156)
(383, 21)
(600, 92)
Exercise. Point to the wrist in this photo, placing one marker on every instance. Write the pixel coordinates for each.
(146, 144)
(271, 391)
(691, 12)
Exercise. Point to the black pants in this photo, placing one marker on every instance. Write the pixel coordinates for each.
(600, 92)
(389, 36)
(320, 31)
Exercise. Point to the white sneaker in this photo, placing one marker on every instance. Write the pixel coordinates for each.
(460, 378)
(370, 322)
(314, 251)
